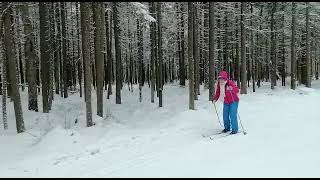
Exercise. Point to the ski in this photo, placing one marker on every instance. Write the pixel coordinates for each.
(214, 137)
(208, 135)
(218, 137)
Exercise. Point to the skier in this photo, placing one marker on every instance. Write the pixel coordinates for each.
(227, 91)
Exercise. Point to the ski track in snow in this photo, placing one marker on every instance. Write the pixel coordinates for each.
(141, 140)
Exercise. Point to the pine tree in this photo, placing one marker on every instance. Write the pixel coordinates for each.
(273, 48)
(30, 58)
(182, 49)
(152, 54)
(160, 70)
(117, 51)
(85, 31)
(64, 50)
(190, 55)
(308, 60)
(196, 51)
(4, 72)
(243, 52)
(99, 48)
(12, 61)
(211, 50)
(44, 54)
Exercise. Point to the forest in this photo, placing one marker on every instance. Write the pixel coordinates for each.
(52, 49)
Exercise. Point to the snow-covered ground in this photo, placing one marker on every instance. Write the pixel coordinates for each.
(141, 140)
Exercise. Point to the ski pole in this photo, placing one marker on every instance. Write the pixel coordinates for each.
(217, 113)
(244, 132)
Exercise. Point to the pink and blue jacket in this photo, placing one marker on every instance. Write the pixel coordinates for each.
(230, 95)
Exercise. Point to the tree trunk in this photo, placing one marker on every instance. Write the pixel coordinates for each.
(308, 61)
(51, 54)
(10, 54)
(283, 63)
(153, 43)
(211, 50)
(273, 49)
(252, 54)
(30, 57)
(4, 72)
(109, 53)
(64, 50)
(18, 45)
(85, 31)
(99, 48)
(140, 56)
(196, 51)
(243, 52)
(57, 48)
(160, 53)
(182, 50)
(206, 30)
(80, 63)
(259, 39)
(237, 69)
(190, 55)
(117, 51)
(73, 42)
(44, 54)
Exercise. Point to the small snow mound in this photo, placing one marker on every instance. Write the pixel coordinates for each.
(305, 90)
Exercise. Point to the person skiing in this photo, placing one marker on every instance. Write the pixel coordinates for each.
(227, 91)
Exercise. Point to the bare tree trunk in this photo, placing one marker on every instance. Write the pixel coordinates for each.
(4, 72)
(243, 52)
(51, 51)
(317, 70)
(218, 39)
(283, 63)
(308, 61)
(64, 50)
(140, 57)
(73, 60)
(211, 50)
(30, 57)
(237, 69)
(44, 54)
(85, 31)
(57, 48)
(196, 51)
(10, 54)
(206, 67)
(160, 53)
(182, 49)
(109, 53)
(117, 51)
(99, 48)
(152, 42)
(18, 45)
(273, 49)
(190, 54)
(252, 54)
(259, 50)
(80, 63)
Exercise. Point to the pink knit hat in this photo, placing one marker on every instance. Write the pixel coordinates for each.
(223, 75)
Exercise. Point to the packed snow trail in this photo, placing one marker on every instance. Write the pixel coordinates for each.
(141, 140)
